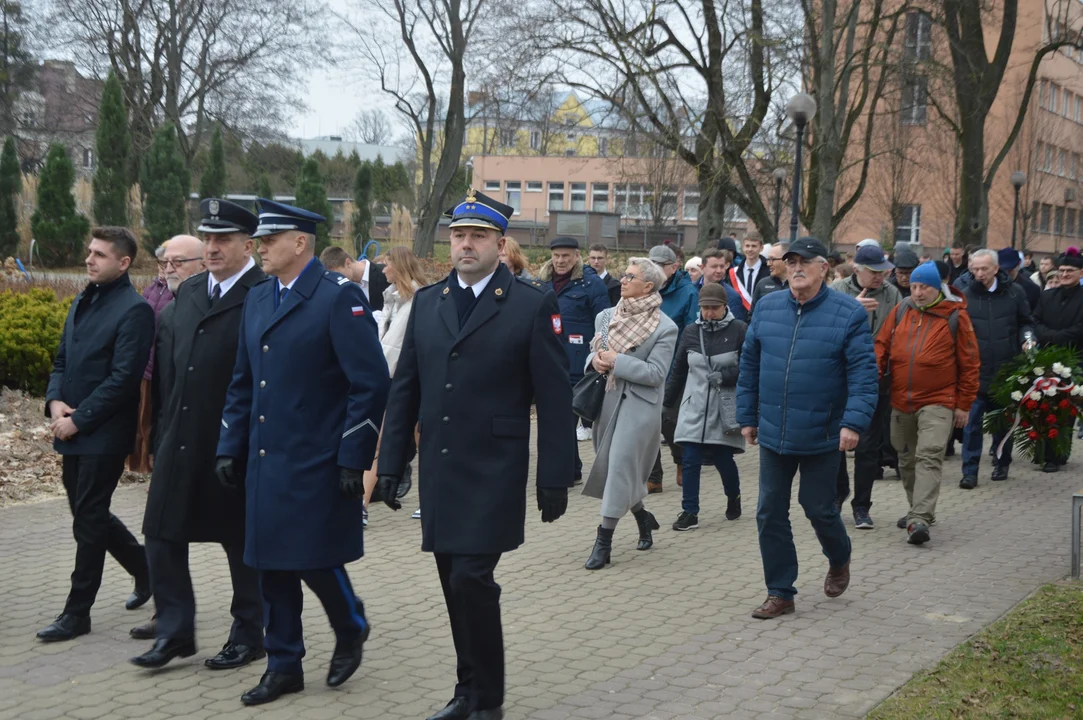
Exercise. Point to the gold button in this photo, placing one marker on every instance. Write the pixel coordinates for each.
(263, 383)
(261, 418)
(265, 348)
(499, 292)
(447, 290)
(262, 453)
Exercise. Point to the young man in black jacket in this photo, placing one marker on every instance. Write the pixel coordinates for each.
(93, 403)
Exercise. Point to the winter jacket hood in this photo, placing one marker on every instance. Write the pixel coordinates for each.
(926, 363)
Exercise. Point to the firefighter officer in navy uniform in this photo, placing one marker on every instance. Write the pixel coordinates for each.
(196, 351)
(300, 426)
(480, 348)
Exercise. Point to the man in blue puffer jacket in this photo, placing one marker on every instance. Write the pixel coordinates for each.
(808, 388)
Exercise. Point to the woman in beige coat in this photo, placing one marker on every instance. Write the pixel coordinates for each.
(633, 346)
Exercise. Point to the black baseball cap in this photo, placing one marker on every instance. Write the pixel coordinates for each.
(806, 247)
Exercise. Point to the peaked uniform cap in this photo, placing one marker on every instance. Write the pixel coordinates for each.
(223, 216)
(275, 217)
(480, 210)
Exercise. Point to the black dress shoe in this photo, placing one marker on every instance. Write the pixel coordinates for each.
(164, 650)
(272, 686)
(493, 714)
(1000, 472)
(1051, 467)
(235, 656)
(139, 596)
(457, 709)
(146, 631)
(66, 627)
(347, 656)
(969, 482)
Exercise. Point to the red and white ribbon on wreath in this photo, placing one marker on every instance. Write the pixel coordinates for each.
(1039, 386)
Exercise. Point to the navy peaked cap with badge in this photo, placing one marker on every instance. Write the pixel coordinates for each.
(223, 216)
(479, 210)
(275, 217)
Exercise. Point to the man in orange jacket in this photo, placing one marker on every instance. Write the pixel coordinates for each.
(928, 352)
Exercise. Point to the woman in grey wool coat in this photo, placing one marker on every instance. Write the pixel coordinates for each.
(633, 346)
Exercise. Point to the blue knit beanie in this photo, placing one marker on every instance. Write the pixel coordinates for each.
(926, 274)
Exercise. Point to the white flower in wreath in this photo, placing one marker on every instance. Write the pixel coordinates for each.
(1066, 372)
(1024, 381)
(1077, 390)
(1017, 396)
(1039, 371)
(1035, 396)
(1050, 392)
(1057, 367)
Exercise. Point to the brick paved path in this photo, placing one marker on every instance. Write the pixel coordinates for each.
(660, 634)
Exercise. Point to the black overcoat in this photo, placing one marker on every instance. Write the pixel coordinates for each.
(196, 350)
(471, 390)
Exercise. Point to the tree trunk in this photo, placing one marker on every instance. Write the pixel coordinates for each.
(972, 216)
(711, 216)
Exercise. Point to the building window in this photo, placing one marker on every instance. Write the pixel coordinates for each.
(568, 224)
(535, 142)
(918, 45)
(492, 186)
(556, 196)
(507, 137)
(579, 196)
(533, 186)
(1071, 165)
(1078, 109)
(514, 194)
(1048, 159)
(667, 208)
(599, 197)
(1069, 222)
(603, 146)
(690, 211)
(1062, 163)
(909, 228)
(570, 152)
(1058, 221)
(1052, 97)
(88, 158)
(915, 99)
(628, 200)
(1039, 156)
(1033, 223)
(1047, 215)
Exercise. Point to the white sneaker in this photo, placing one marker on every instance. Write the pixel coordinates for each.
(416, 515)
(583, 434)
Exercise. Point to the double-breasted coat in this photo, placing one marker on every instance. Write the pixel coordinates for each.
(196, 352)
(627, 434)
(308, 392)
(471, 391)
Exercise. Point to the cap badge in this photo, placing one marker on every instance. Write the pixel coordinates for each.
(213, 207)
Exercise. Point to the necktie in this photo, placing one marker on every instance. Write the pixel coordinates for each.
(216, 294)
(748, 279)
(282, 294)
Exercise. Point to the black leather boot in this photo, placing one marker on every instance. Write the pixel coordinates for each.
(646, 522)
(603, 545)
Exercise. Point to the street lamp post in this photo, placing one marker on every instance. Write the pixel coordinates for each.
(780, 175)
(800, 110)
(1018, 180)
(470, 172)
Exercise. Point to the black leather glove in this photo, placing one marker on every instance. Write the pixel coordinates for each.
(229, 472)
(388, 488)
(553, 502)
(351, 483)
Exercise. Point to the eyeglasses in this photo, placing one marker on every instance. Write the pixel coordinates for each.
(176, 263)
(629, 277)
(1068, 271)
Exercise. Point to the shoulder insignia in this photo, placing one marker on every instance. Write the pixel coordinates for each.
(532, 283)
(343, 280)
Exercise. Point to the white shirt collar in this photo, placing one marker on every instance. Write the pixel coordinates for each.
(604, 274)
(993, 287)
(478, 286)
(755, 268)
(365, 275)
(229, 282)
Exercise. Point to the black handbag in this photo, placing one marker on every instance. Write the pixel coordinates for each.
(588, 395)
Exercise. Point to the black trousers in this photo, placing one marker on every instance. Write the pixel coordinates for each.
(89, 481)
(473, 607)
(867, 456)
(175, 600)
(283, 601)
(669, 427)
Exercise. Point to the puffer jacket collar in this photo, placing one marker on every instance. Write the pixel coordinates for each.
(674, 283)
(546, 272)
(811, 303)
(716, 325)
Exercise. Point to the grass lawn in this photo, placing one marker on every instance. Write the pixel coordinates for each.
(1028, 664)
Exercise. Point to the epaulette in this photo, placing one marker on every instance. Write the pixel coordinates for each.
(442, 281)
(336, 278)
(533, 283)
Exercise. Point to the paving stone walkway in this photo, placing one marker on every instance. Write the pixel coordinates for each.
(663, 634)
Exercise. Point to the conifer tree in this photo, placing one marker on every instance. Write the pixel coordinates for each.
(10, 184)
(263, 187)
(113, 144)
(165, 183)
(312, 196)
(213, 182)
(362, 198)
(59, 230)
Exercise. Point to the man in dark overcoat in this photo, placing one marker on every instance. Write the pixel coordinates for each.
(93, 404)
(480, 349)
(300, 426)
(196, 351)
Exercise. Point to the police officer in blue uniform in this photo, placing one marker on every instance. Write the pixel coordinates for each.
(301, 422)
(581, 295)
(481, 347)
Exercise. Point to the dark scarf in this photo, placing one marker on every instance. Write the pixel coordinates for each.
(561, 281)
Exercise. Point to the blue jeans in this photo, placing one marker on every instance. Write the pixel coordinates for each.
(972, 437)
(817, 497)
(692, 463)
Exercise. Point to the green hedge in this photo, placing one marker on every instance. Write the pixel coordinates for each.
(31, 324)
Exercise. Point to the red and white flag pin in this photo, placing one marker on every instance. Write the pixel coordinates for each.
(358, 310)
